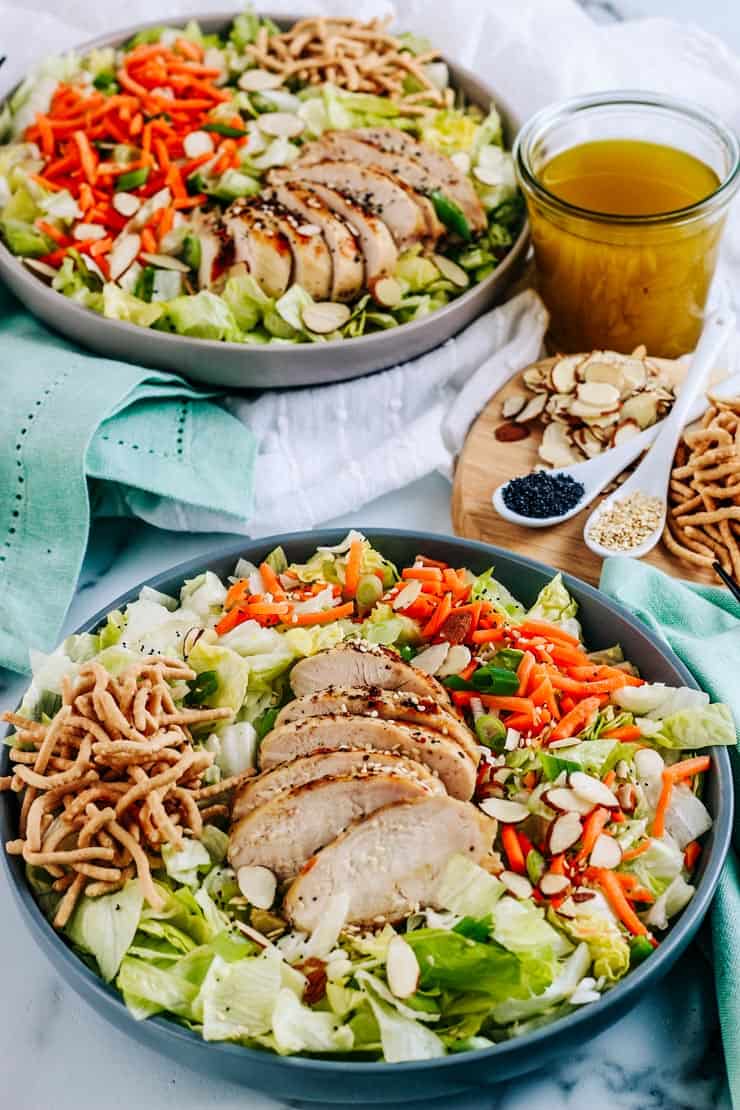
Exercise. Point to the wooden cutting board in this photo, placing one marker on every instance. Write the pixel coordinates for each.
(485, 463)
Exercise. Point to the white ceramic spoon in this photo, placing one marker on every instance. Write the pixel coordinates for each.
(596, 474)
(653, 474)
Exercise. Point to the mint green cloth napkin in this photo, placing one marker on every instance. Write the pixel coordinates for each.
(151, 442)
(702, 625)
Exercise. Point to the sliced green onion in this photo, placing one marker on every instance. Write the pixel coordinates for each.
(451, 215)
(144, 286)
(224, 129)
(105, 82)
(457, 682)
(495, 680)
(369, 590)
(191, 251)
(640, 949)
(508, 659)
(264, 723)
(407, 652)
(203, 687)
(132, 180)
(491, 732)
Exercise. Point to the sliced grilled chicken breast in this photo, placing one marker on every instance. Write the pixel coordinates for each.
(341, 146)
(372, 234)
(283, 833)
(441, 170)
(376, 191)
(259, 242)
(325, 764)
(390, 705)
(442, 755)
(312, 264)
(363, 664)
(348, 263)
(389, 863)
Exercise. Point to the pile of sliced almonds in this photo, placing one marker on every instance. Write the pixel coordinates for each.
(591, 402)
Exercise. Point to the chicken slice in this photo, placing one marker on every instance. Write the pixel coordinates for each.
(442, 755)
(283, 833)
(390, 863)
(376, 191)
(358, 663)
(372, 234)
(441, 170)
(312, 266)
(348, 264)
(390, 705)
(341, 146)
(323, 764)
(260, 243)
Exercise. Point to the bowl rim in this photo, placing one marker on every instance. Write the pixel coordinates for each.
(213, 20)
(625, 992)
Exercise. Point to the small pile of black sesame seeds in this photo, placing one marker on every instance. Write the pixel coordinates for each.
(542, 494)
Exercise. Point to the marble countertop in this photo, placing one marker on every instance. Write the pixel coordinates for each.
(665, 1055)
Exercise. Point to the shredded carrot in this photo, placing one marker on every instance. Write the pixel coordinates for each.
(324, 616)
(557, 865)
(237, 593)
(593, 827)
(691, 854)
(53, 233)
(422, 574)
(230, 620)
(521, 722)
(531, 627)
(687, 768)
(440, 615)
(575, 721)
(353, 568)
(513, 850)
(633, 853)
(626, 734)
(586, 689)
(662, 806)
(615, 896)
(271, 581)
(524, 672)
(609, 778)
(148, 242)
(487, 635)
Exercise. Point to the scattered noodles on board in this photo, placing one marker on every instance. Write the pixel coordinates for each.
(360, 57)
(110, 779)
(703, 524)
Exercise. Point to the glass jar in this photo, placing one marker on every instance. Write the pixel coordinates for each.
(618, 281)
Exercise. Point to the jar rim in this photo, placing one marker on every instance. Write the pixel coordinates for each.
(547, 117)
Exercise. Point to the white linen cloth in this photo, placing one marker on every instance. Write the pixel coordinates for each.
(327, 451)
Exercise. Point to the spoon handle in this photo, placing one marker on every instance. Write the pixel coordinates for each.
(713, 337)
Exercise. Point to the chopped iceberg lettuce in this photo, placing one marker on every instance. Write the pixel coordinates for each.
(555, 604)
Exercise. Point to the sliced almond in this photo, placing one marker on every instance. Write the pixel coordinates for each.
(309, 229)
(587, 442)
(387, 292)
(126, 204)
(283, 125)
(513, 404)
(642, 407)
(401, 968)
(432, 658)
(461, 160)
(635, 372)
(41, 268)
(519, 885)
(258, 885)
(563, 375)
(564, 832)
(555, 447)
(551, 884)
(625, 431)
(599, 394)
(85, 232)
(197, 143)
(451, 271)
(408, 595)
(535, 378)
(166, 262)
(592, 790)
(259, 80)
(609, 373)
(605, 852)
(325, 316)
(566, 801)
(532, 409)
(457, 660)
(568, 908)
(123, 253)
(505, 811)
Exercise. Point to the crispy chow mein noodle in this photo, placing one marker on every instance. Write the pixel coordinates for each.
(111, 779)
(703, 524)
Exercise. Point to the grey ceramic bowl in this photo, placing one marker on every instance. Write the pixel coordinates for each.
(324, 1081)
(241, 366)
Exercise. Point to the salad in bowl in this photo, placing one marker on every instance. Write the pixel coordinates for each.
(258, 186)
(348, 809)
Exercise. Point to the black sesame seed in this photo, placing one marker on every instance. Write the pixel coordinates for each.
(542, 494)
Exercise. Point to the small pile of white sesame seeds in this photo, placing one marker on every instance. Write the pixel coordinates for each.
(627, 522)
